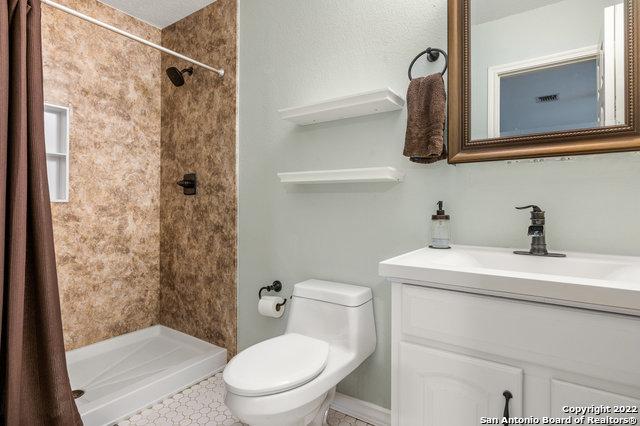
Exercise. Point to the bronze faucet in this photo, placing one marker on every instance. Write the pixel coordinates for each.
(536, 232)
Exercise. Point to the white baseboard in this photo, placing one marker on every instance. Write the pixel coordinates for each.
(362, 410)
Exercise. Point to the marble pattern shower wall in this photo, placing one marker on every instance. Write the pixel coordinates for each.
(107, 235)
(198, 233)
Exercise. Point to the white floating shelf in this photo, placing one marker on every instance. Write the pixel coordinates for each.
(372, 174)
(368, 103)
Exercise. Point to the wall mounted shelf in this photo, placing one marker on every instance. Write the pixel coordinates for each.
(371, 174)
(368, 103)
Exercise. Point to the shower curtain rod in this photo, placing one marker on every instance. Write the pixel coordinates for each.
(131, 36)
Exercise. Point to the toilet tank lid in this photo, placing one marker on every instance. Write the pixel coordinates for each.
(332, 292)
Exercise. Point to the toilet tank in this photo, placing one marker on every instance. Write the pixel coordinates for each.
(340, 314)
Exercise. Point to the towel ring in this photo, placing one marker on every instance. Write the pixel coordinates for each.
(433, 55)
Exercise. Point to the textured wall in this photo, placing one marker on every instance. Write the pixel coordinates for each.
(198, 234)
(293, 52)
(107, 235)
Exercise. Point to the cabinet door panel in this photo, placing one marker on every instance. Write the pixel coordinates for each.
(438, 388)
(556, 337)
(572, 395)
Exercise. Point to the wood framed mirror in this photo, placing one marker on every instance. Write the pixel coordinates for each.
(542, 78)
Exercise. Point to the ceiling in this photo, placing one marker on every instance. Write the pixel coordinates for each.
(489, 10)
(159, 13)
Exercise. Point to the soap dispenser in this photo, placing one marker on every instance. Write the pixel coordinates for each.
(440, 230)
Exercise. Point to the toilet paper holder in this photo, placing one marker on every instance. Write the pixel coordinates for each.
(275, 286)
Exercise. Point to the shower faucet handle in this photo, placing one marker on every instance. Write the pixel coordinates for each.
(189, 184)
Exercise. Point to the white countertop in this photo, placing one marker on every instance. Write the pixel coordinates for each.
(602, 282)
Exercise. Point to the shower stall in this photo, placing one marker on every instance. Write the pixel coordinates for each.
(120, 376)
(146, 273)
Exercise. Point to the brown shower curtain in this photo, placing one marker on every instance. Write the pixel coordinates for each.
(34, 384)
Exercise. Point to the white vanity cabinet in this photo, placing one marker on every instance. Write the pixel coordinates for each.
(443, 388)
(455, 353)
(569, 394)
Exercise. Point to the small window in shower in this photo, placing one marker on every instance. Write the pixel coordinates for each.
(56, 135)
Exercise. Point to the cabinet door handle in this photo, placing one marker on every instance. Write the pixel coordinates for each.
(507, 396)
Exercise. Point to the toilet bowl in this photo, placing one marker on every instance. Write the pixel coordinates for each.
(290, 380)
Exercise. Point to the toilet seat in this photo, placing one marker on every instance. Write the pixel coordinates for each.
(276, 365)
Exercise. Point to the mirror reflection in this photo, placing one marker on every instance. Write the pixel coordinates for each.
(546, 66)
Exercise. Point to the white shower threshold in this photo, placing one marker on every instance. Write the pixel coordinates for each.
(125, 374)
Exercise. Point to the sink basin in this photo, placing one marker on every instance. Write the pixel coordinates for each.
(601, 282)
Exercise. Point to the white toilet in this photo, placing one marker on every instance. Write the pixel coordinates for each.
(290, 379)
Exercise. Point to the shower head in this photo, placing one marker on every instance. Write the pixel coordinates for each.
(176, 76)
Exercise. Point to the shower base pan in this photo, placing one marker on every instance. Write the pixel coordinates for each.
(125, 374)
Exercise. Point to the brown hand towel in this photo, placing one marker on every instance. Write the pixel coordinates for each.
(426, 107)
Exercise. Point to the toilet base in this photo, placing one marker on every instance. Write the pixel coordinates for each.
(311, 414)
(320, 419)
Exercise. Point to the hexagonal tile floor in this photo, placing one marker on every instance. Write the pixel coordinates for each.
(203, 404)
(336, 418)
